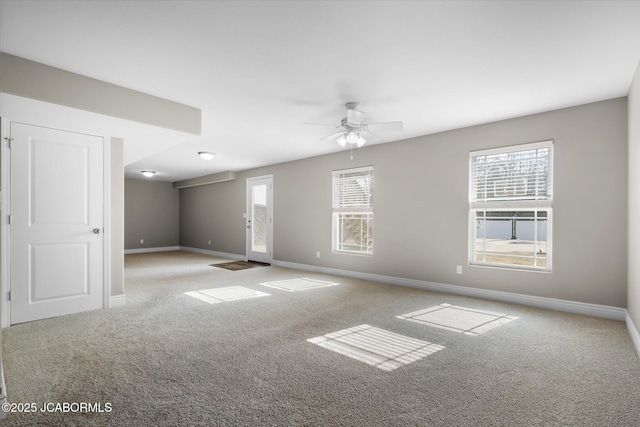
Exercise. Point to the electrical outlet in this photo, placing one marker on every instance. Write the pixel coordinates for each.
(141, 240)
(209, 242)
(459, 269)
(318, 254)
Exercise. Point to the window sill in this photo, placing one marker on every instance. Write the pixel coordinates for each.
(510, 267)
(362, 254)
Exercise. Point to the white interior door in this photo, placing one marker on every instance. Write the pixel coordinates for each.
(259, 219)
(56, 222)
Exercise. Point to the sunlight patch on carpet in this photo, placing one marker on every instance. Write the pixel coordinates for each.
(232, 293)
(468, 321)
(302, 284)
(376, 347)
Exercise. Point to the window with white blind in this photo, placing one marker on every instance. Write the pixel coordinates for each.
(511, 206)
(353, 210)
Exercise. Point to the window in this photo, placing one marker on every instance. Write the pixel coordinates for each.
(511, 201)
(353, 210)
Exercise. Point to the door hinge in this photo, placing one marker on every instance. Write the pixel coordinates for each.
(8, 219)
(9, 296)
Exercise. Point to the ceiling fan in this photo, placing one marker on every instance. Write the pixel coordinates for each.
(354, 132)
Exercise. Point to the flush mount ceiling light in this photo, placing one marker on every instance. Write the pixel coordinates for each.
(206, 155)
(148, 174)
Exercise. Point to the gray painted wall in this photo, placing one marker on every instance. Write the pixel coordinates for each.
(151, 212)
(634, 201)
(21, 77)
(421, 210)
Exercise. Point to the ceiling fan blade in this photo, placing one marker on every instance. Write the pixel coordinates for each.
(355, 117)
(383, 127)
(322, 124)
(332, 136)
(369, 136)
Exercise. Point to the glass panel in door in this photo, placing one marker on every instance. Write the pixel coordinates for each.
(259, 216)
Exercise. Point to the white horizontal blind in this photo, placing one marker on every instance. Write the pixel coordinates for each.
(522, 172)
(353, 188)
(511, 206)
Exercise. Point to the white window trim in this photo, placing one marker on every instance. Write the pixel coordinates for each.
(549, 241)
(349, 210)
(510, 205)
(335, 231)
(509, 148)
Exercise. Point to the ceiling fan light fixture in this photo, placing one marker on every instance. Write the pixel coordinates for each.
(342, 141)
(206, 155)
(148, 174)
(361, 141)
(352, 137)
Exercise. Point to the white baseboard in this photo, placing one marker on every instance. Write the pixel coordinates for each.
(146, 250)
(214, 253)
(117, 301)
(187, 249)
(633, 331)
(594, 310)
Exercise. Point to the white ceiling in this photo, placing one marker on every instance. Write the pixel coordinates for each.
(259, 69)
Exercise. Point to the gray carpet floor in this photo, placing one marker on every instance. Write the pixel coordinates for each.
(167, 358)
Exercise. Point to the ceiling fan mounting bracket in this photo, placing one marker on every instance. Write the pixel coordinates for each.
(348, 126)
(352, 105)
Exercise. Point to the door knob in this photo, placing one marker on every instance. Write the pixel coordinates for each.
(96, 231)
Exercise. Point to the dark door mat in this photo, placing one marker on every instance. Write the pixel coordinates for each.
(240, 265)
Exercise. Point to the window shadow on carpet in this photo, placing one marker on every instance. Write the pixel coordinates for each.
(232, 293)
(454, 318)
(301, 284)
(376, 347)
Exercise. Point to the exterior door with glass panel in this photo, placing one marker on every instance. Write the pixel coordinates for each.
(56, 222)
(259, 218)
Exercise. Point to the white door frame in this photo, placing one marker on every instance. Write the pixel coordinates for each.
(269, 250)
(5, 230)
